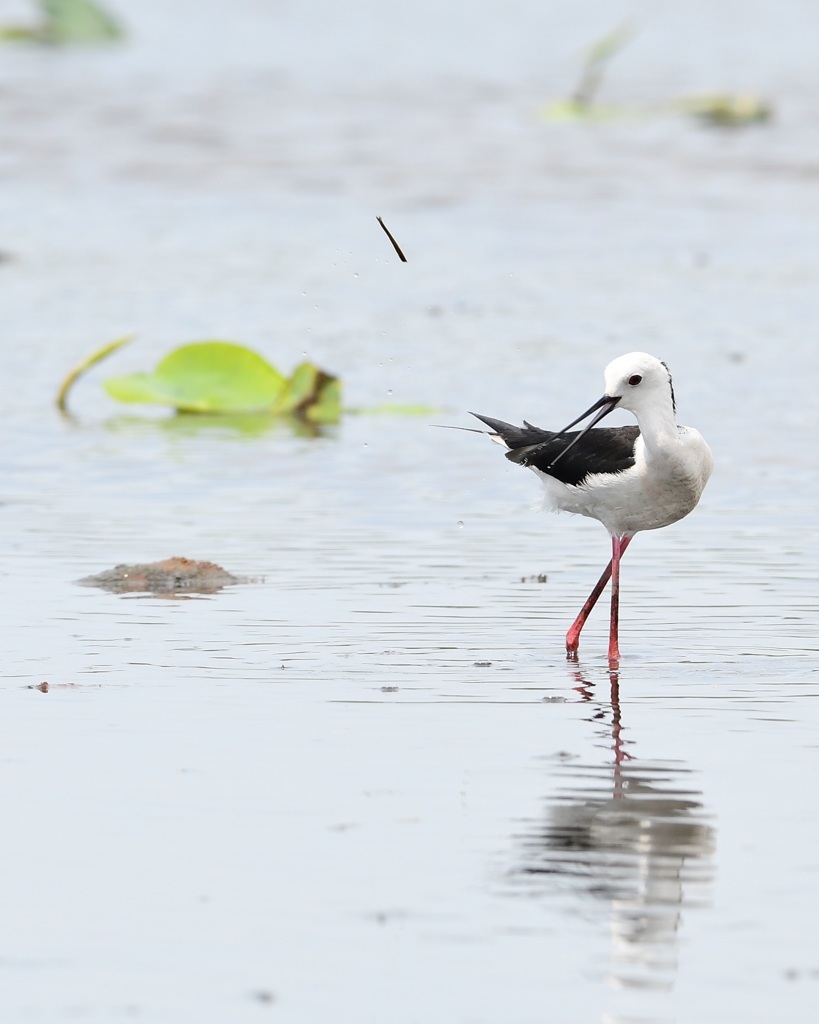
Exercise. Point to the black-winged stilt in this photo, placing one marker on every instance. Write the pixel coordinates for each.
(629, 478)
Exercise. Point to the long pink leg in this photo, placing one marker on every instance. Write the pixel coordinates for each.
(618, 546)
(573, 636)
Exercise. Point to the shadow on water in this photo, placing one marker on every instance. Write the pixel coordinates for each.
(626, 835)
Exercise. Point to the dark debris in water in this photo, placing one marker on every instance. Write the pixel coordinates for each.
(46, 687)
(539, 577)
(794, 974)
(169, 578)
(265, 996)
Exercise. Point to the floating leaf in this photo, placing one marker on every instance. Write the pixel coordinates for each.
(327, 407)
(66, 21)
(301, 389)
(206, 376)
(312, 393)
(573, 110)
(77, 21)
(223, 379)
(20, 34)
(730, 110)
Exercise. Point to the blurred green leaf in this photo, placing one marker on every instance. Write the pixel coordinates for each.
(580, 106)
(66, 21)
(398, 409)
(327, 407)
(313, 393)
(728, 110)
(206, 376)
(610, 44)
(20, 34)
(572, 110)
(301, 389)
(77, 21)
(597, 58)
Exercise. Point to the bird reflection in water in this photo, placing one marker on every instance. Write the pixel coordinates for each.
(630, 836)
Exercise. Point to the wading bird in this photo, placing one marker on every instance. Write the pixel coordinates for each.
(629, 478)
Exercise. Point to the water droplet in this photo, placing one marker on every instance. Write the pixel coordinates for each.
(460, 524)
(389, 391)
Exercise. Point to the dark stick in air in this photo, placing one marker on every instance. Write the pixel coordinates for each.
(395, 244)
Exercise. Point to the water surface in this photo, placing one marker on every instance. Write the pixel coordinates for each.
(367, 785)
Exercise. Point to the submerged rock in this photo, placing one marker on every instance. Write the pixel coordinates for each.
(170, 577)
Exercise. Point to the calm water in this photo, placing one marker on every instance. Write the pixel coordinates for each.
(368, 786)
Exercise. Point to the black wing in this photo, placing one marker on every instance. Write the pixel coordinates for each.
(601, 450)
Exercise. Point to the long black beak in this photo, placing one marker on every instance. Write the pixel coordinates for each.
(606, 405)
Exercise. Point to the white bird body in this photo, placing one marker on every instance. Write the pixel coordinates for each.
(661, 487)
(628, 478)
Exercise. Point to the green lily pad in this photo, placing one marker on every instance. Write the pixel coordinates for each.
(206, 376)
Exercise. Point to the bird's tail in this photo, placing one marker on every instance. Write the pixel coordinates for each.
(510, 436)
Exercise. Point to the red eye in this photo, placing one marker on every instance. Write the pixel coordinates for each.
(635, 380)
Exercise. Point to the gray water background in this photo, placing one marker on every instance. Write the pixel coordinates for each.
(368, 786)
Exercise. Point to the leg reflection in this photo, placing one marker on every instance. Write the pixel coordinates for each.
(627, 834)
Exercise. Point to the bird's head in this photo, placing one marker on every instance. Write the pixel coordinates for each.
(637, 381)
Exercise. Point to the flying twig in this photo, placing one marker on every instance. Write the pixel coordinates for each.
(395, 244)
